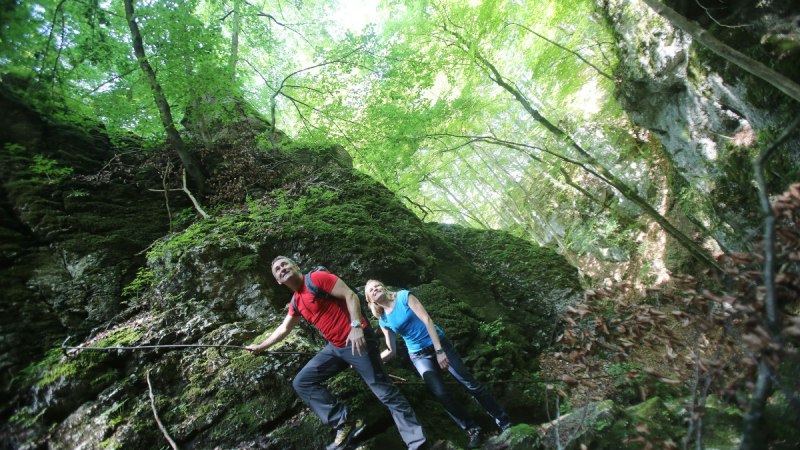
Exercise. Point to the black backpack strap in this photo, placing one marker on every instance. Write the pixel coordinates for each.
(314, 289)
(321, 293)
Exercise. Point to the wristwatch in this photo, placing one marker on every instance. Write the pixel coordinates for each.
(355, 324)
(440, 351)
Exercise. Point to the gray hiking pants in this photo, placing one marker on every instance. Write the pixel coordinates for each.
(330, 361)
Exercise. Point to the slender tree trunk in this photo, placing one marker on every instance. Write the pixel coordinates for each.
(545, 224)
(626, 191)
(234, 41)
(190, 163)
(752, 438)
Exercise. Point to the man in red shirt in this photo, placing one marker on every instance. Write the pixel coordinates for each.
(351, 342)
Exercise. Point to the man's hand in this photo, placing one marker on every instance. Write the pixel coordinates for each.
(356, 337)
(254, 349)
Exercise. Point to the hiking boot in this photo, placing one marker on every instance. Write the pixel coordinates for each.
(505, 425)
(474, 438)
(345, 434)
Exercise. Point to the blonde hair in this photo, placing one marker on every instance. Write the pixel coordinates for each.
(377, 310)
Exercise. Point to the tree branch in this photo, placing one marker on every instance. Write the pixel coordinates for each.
(587, 62)
(769, 229)
(751, 437)
(155, 414)
(191, 197)
(697, 251)
(780, 82)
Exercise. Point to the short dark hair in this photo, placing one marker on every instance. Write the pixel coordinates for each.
(282, 257)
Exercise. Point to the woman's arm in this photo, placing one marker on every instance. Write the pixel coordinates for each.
(390, 344)
(422, 314)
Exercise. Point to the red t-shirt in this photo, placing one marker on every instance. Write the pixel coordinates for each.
(329, 315)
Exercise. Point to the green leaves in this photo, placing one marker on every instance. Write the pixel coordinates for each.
(416, 98)
(47, 169)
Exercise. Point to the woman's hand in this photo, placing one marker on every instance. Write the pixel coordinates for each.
(444, 363)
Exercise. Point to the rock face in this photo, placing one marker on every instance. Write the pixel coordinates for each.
(69, 238)
(708, 114)
(78, 244)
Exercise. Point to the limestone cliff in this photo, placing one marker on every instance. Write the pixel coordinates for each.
(709, 115)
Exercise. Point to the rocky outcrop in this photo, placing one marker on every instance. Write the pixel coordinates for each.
(708, 114)
(72, 233)
(209, 283)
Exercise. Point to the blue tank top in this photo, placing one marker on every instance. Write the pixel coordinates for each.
(404, 322)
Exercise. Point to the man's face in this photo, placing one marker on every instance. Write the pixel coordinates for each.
(283, 269)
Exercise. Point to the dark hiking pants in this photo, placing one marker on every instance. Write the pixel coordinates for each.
(330, 361)
(428, 366)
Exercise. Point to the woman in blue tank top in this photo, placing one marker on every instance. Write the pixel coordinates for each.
(429, 349)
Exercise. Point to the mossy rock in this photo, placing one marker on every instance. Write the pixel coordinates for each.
(650, 421)
(590, 425)
(518, 437)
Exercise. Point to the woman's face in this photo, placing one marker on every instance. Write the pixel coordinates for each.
(375, 290)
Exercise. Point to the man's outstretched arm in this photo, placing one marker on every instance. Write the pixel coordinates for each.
(289, 322)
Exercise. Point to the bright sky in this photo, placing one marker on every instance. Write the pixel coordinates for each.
(353, 15)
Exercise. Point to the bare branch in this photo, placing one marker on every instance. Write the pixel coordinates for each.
(166, 195)
(226, 16)
(708, 13)
(284, 25)
(769, 229)
(577, 55)
(155, 414)
(114, 78)
(191, 197)
(763, 390)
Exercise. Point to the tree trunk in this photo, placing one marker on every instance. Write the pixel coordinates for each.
(626, 191)
(234, 60)
(741, 60)
(190, 163)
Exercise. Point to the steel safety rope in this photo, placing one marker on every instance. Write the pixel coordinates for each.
(65, 347)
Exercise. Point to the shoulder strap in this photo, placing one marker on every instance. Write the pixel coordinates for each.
(293, 304)
(314, 289)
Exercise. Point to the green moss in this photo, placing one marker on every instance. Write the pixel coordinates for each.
(522, 434)
(502, 257)
(241, 419)
(240, 263)
(120, 337)
(27, 417)
(86, 364)
(661, 426)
